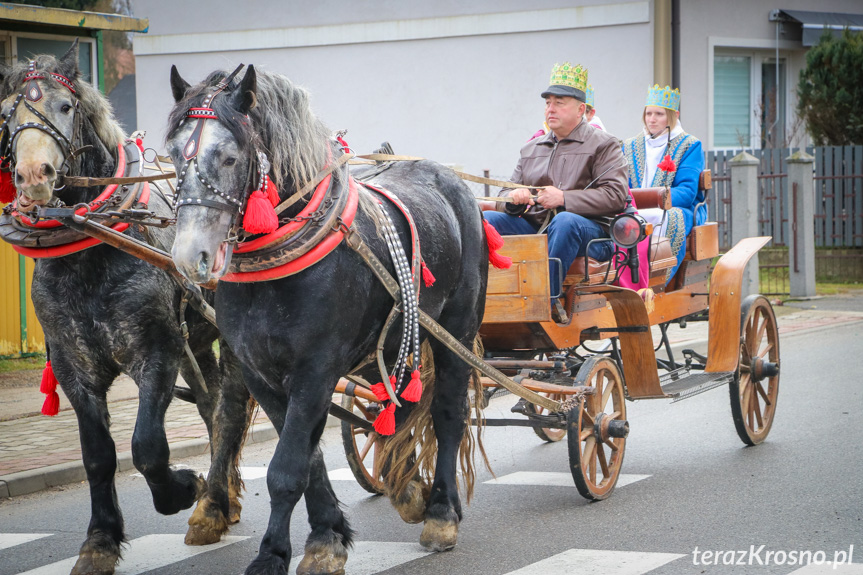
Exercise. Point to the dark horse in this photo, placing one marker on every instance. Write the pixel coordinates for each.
(297, 335)
(105, 312)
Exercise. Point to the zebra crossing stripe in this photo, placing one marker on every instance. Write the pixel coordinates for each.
(597, 562)
(343, 474)
(370, 557)
(144, 554)
(555, 479)
(12, 539)
(246, 473)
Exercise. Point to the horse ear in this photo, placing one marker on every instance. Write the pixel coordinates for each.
(246, 95)
(178, 85)
(69, 62)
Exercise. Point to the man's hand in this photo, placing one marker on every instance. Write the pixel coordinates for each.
(520, 196)
(550, 197)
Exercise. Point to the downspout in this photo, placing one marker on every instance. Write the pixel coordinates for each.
(675, 44)
(22, 302)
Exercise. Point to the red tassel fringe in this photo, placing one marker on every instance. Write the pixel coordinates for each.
(8, 192)
(49, 387)
(272, 193)
(51, 407)
(414, 391)
(428, 277)
(495, 242)
(667, 164)
(140, 143)
(260, 217)
(380, 391)
(385, 424)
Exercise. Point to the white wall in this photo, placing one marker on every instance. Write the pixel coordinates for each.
(455, 89)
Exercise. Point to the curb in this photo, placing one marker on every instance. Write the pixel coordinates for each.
(33, 480)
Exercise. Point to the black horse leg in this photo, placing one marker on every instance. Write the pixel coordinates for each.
(172, 489)
(288, 474)
(221, 504)
(449, 411)
(101, 551)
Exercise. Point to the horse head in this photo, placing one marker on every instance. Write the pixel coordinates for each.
(45, 126)
(214, 150)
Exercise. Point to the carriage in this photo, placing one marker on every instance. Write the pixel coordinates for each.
(585, 366)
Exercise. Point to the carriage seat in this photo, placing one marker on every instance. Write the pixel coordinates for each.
(661, 259)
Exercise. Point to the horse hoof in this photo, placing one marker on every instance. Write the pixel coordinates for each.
(234, 510)
(206, 525)
(411, 505)
(95, 563)
(439, 535)
(323, 559)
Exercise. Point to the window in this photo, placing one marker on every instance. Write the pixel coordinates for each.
(750, 99)
(25, 47)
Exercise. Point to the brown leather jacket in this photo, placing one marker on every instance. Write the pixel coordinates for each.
(570, 165)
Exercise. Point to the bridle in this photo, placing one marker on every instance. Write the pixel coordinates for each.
(32, 92)
(258, 170)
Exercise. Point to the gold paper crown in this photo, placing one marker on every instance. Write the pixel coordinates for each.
(663, 97)
(589, 100)
(568, 75)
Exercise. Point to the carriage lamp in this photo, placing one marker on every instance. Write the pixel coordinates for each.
(628, 228)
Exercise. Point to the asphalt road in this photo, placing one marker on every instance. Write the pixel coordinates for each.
(695, 488)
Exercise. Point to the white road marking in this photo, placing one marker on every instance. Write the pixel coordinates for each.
(554, 478)
(596, 562)
(247, 473)
(370, 557)
(12, 539)
(144, 554)
(343, 474)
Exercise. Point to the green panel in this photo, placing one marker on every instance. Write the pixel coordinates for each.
(29, 47)
(732, 111)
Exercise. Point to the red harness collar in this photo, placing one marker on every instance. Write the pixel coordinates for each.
(83, 244)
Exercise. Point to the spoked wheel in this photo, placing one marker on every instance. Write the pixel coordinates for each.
(549, 434)
(361, 446)
(755, 388)
(598, 429)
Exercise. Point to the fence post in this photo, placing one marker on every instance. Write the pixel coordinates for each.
(744, 212)
(801, 253)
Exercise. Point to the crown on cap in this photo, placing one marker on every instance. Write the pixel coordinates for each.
(663, 97)
(589, 100)
(568, 75)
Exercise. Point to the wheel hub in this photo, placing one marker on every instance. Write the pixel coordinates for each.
(759, 369)
(606, 427)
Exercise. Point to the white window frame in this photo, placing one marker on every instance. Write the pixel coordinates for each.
(94, 75)
(7, 40)
(758, 50)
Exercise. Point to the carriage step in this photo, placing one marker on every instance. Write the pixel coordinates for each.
(684, 387)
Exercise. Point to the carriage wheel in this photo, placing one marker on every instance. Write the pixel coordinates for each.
(549, 434)
(598, 429)
(755, 388)
(362, 447)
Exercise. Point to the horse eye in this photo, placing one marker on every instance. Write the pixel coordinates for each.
(229, 162)
(65, 109)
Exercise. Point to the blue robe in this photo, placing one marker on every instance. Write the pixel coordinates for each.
(685, 151)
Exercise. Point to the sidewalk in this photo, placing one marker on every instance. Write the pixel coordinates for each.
(38, 452)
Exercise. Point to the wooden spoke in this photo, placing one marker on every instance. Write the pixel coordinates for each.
(359, 444)
(762, 393)
(610, 444)
(603, 464)
(369, 443)
(589, 448)
(765, 351)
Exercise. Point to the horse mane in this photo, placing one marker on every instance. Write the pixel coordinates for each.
(93, 104)
(282, 124)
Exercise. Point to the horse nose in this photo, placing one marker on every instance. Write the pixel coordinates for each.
(29, 174)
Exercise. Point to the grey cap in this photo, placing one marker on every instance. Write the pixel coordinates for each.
(560, 90)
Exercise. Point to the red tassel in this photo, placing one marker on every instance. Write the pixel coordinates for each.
(492, 237)
(380, 391)
(414, 391)
(666, 165)
(49, 380)
(8, 191)
(499, 261)
(272, 193)
(260, 217)
(52, 404)
(428, 278)
(385, 424)
(140, 143)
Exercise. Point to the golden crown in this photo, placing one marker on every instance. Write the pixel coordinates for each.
(663, 97)
(589, 100)
(568, 75)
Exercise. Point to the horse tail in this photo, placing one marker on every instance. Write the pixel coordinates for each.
(411, 452)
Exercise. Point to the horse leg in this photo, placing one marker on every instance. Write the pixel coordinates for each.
(449, 411)
(172, 489)
(288, 474)
(327, 546)
(101, 550)
(220, 506)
